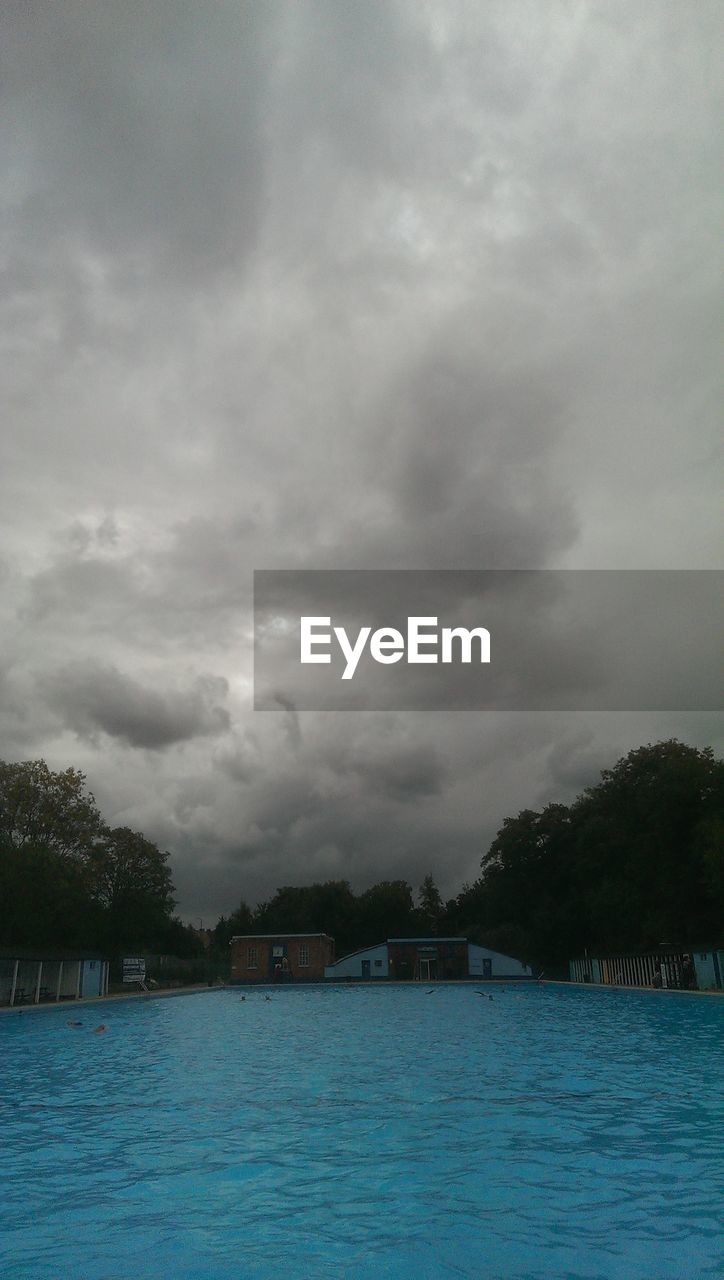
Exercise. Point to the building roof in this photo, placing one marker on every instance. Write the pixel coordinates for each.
(49, 953)
(426, 940)
(258, 937)
(375, 946)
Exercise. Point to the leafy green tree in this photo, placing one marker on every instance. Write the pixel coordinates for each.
(48, 827)
(291, 910)
(431, 909)
(67, 880)
(45, 900)
(317, 908)
(46, 810)
(178, 939)
(520, 903)
(647, 847)
(386, 910)
(240, 922)
(633, 861)
(132, 884)
(710, 838)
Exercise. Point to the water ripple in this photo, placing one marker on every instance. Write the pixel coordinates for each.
(363, 1134)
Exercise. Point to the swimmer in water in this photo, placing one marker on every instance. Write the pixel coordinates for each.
(70, 1022)
(101, 1027)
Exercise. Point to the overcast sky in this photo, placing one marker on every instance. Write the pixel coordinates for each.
(333, 284)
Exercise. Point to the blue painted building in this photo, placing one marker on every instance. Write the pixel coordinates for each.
(709, 968)
(426, 960)
(39, 977)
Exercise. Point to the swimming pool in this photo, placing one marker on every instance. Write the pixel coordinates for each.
(365, 1133)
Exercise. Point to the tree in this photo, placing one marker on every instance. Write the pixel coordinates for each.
(45, 900)
(132, 884)
(240, 922)
(430, 907)
(179, 939)
(48, 826)
(520, 904)
(634, 860)
(66, 879)
(386, 911)
(46, 810)
(647, 847)
(316, 908)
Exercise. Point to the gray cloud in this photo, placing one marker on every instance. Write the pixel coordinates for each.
(403, 774)
(96, 697)
(142, 130)
(319, 284)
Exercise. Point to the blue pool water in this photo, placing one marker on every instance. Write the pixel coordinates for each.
(364, 1133)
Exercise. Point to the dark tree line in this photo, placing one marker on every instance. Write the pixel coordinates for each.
(386, 910)
(69, 880)
(635, 861)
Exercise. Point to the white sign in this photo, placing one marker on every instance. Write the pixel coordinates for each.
(134, 970)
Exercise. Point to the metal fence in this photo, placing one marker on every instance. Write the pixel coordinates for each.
(653, 969)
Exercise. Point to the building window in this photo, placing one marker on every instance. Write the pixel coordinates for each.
(303, 955)
(378, 964)
(251, 960)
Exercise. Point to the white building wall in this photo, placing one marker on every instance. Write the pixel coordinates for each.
(351, 966)
(500, 966)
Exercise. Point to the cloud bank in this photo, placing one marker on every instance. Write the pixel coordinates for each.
(328, 285)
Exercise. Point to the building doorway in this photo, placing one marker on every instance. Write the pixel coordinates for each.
(428, 968)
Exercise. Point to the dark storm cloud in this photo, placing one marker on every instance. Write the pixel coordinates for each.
(96, 697)
(403, 774)
(456, 463)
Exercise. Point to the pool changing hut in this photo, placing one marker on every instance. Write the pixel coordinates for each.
(426, 960)
(41, 977)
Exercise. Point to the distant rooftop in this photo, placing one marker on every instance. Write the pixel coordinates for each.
(49, 953)
(244, 937)
(427, 939)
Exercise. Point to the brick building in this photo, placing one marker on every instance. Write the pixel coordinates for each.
(281, 957)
